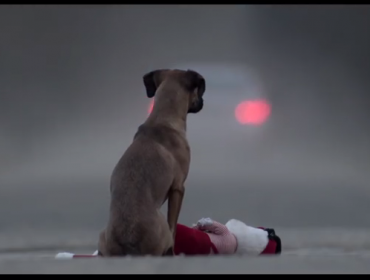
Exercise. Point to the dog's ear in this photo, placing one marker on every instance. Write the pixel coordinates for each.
(151, 82)
(196, 81)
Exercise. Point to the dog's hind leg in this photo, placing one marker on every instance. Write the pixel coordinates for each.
(159, 240)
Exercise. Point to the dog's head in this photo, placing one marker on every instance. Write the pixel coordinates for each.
(193, 83)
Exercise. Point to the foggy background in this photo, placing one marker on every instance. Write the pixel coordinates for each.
(71, 99)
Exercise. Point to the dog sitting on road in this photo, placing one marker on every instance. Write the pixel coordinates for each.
(153, 169)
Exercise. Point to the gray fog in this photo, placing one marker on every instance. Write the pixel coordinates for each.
(72, 97)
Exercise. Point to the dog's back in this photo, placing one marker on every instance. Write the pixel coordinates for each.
(138, 189)
(148, 164)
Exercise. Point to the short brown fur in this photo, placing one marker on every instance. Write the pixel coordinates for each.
(153, 169)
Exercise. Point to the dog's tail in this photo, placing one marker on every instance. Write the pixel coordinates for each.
(127, 249)
(118, 249)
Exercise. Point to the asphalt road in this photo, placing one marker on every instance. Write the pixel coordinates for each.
(323, 227)
(179, 265)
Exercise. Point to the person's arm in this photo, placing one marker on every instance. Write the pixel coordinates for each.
(192, 241)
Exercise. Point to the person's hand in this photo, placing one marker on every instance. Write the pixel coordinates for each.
(210, 226)
(204, 222)
(223, 240)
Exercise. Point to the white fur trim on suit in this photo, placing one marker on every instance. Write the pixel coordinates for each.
(64, 255)
(251, 240)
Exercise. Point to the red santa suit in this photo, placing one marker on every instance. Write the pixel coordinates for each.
(235, 237)
(209, 237)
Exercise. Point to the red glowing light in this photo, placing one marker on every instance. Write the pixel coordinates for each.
(150, 108)
(252, 112)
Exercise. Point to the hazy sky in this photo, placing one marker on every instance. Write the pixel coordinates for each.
(72, 95)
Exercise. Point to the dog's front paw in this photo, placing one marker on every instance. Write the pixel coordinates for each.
(203, 222)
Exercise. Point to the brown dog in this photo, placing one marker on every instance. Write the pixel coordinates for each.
(153, 169)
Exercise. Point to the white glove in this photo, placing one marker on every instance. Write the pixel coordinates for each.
(204, 222)
(64, 255)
